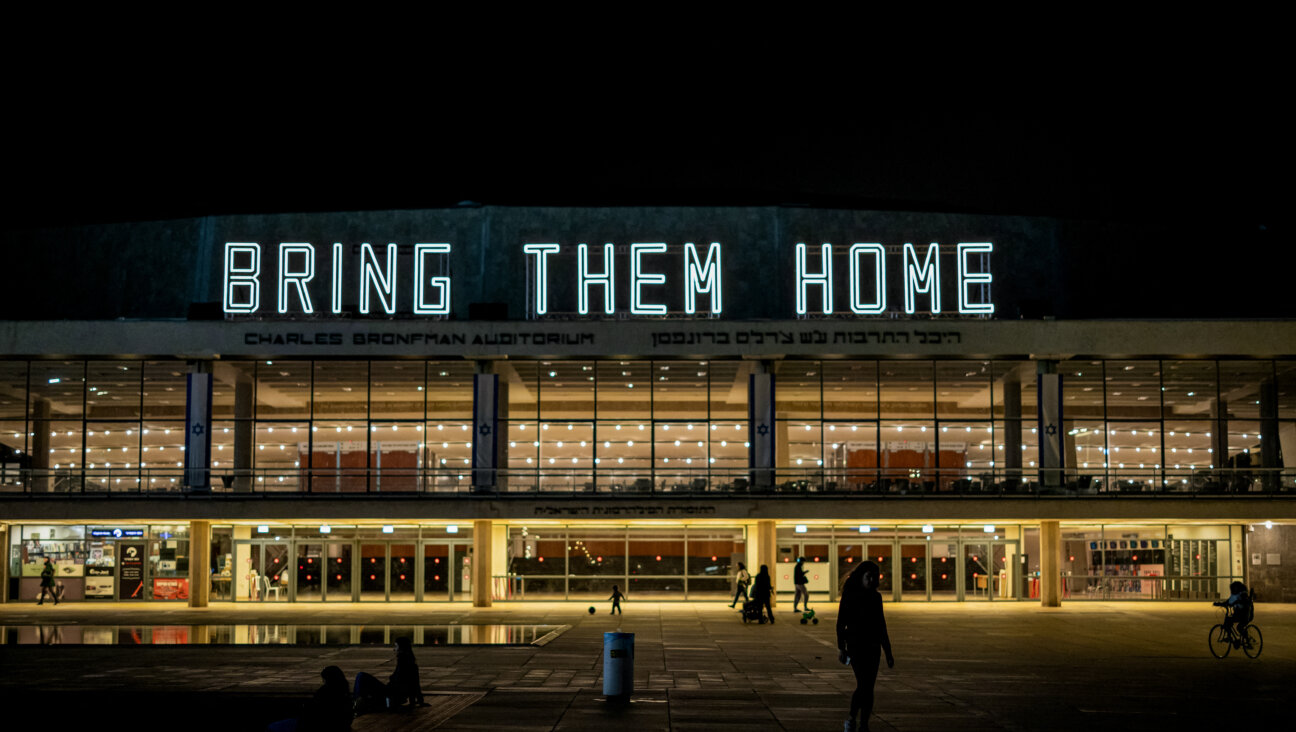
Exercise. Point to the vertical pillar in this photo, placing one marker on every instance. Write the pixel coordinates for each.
(502, 426)
(241, 587)
(1270, 445)
(1219, 435)
(243, 434)
(4, 564)
(499, 561)
(1052, 460)
(481, 564)
(1012, 426)
(199, 563)
(767, 555)
(40, 480)
(1050, 564)
(761, 426)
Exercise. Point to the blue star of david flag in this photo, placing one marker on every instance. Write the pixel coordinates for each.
(760, 420)
(1049, 429)
(198, 403)
(485, 429)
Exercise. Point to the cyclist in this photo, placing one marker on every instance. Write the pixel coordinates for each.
(1240, 609)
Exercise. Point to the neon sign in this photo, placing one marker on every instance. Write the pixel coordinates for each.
(643, 279)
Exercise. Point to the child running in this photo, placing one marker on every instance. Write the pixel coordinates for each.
(616, 601)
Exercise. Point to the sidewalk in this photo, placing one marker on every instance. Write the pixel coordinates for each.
(970, 666)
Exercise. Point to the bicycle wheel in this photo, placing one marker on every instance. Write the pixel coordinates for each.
(1220, 642)
(1252, 642)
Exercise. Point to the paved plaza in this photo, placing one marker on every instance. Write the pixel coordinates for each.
(1000, 666)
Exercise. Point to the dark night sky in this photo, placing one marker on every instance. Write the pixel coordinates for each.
(1185, 165)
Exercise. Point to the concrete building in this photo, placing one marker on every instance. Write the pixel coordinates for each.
(541, 403)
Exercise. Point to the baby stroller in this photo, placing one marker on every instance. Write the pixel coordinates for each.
(753, 611)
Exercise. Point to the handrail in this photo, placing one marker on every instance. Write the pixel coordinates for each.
(676, 482)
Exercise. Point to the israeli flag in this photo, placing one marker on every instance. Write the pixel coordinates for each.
(1051, 456)
(760, 421)
(485, 429)
(198, 407)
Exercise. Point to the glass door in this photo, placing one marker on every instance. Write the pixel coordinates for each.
(943, 573)
(337, 576)
(264, 575)
(977, 572)
(463, 572)
(436, 572)
(1007, 577)
(401, 579)
(882, 555)
(373, 571)
(913, 572)
(310, 572)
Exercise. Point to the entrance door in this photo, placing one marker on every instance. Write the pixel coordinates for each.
(263, 569)
(943, 571)
(373, 571)
(463, 572)
(913, 571)
(401, 579)
(819, 570)
(978, 572)
(337, 577)
(310, 572)
(436, 572)
(1007, 577)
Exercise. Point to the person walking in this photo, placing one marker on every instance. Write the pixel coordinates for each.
(616, 601)
(47, 583)
(761, 591)
(800, 579)
(741, 585)
(861, 631)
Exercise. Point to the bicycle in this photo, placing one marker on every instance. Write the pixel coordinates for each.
(1224, 638)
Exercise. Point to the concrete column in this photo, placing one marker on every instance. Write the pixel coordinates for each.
(1219, 435)
(481, 563)
(1270, 445)
(4, 564)
(40, 481)
(1012, 425)
(1050, 564)
(767, 555)
(502, 370)
(199, 563)
(243, 434)
(499, 555)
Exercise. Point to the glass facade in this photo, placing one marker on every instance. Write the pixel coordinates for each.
(914, 426)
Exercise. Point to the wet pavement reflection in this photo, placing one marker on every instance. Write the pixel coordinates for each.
(279, 634)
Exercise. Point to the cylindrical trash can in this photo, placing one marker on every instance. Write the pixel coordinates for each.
(618, 664)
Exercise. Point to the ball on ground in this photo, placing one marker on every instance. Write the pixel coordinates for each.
(591, 609)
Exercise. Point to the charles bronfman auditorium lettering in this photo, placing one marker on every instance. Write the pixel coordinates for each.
(641, 279)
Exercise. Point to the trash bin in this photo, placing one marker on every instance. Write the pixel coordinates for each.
(618, 664)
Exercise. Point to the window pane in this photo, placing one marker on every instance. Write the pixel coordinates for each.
(595, 552)
(523, 388)
(906, 389)
(13, 389)
(164, 389)
(908, 452)
(679, 390)
(1082, 390)
(797, 390)
(1133, 389)
(1240, 386)
(850, 389)
(396, 389)
(341, 390)
(232, 389)
(728, 388)
(656, 553)
(566, 390)
(57, 389)
(1189, 389)
(283, 389)
(1133, 456)
(851, 454)
(450, 389)
(715, 553)
(278, 454)
(1286, 389)
(113, 389)
(963, 389)
(624, 390)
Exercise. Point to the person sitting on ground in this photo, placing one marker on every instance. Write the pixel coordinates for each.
(372, 695)
(404, 685)
(1240, 609)
(329, 709)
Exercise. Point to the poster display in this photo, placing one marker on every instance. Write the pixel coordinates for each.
(130, 571)
(171, 588)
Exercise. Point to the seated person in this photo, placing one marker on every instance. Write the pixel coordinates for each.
(402, 687)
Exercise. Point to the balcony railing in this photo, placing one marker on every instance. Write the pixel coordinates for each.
(885, 482)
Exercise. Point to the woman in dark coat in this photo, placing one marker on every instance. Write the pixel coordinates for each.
(404, 685)
(761, 591)
(861, 631)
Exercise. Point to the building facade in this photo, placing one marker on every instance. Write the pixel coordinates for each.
(521, 404)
